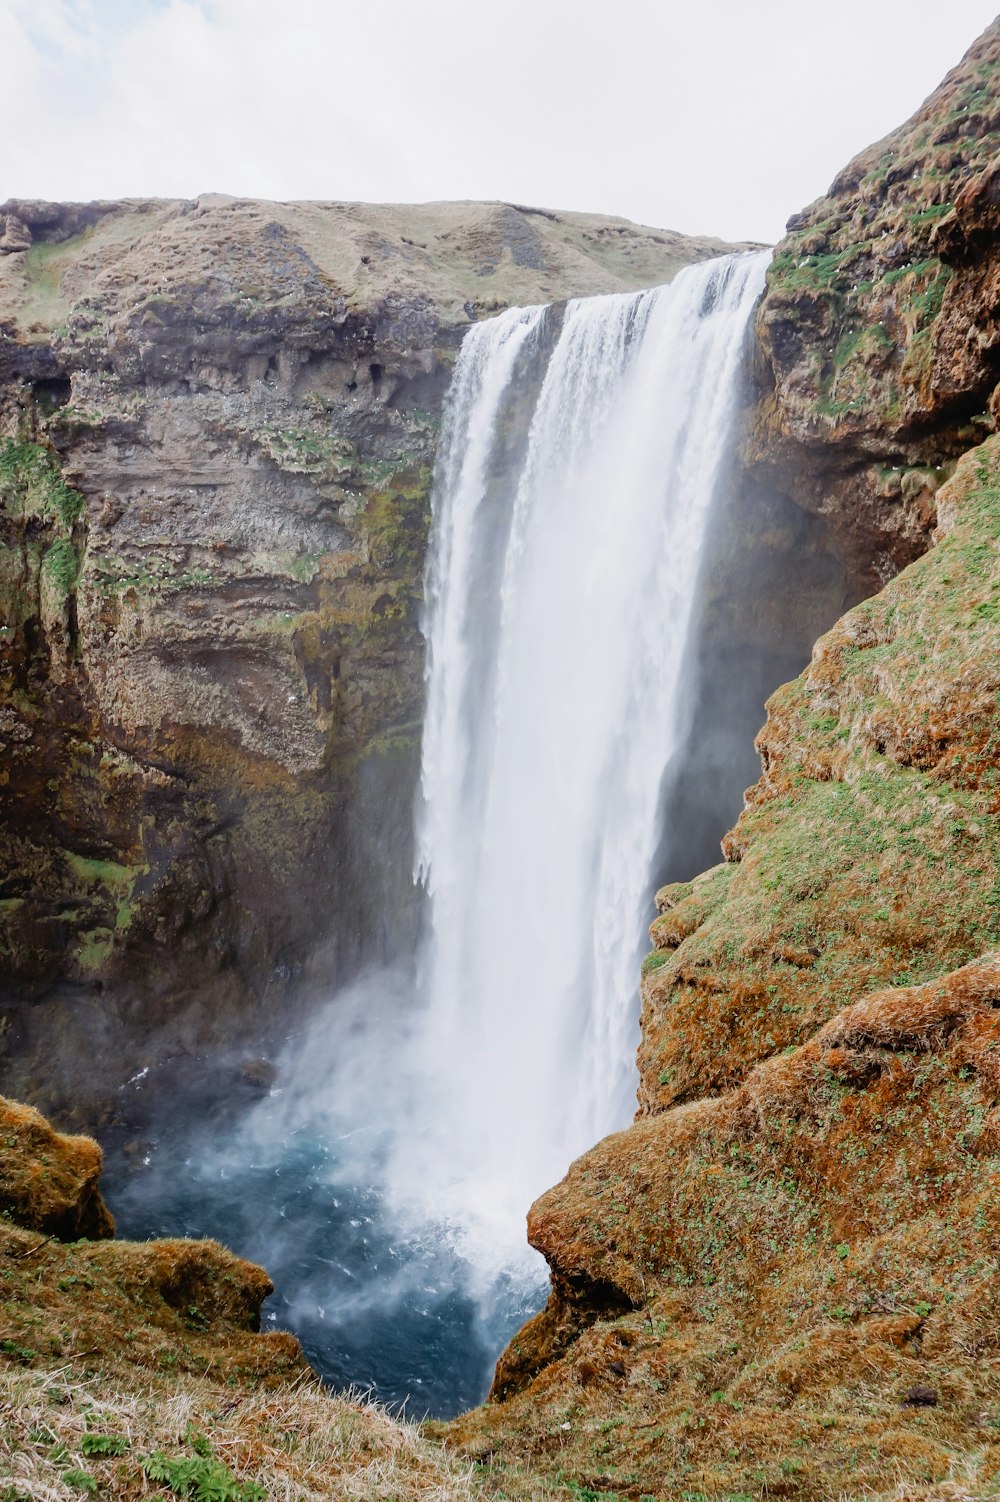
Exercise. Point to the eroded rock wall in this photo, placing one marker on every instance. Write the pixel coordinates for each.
(218, 422)
(878, 332)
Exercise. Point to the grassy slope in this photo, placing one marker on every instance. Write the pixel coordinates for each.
(439, 255)
(870, 851)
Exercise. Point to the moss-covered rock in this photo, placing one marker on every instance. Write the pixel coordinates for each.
(800, 1230)
(878, 329)
(869, 850)
(48, 1182)
(790, 1285)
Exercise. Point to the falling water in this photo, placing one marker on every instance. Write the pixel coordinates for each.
(384, 1180)
(556, 660)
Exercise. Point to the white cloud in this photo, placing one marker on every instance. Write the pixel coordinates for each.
(721, 120)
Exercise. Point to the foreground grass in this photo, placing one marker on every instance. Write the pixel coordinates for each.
(63, 1437)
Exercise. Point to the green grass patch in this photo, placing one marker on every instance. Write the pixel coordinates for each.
(32, 484)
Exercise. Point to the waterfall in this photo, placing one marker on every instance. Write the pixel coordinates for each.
(384, 1180)
(560, 593)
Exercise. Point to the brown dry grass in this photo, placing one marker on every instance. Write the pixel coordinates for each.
(151, 1345)
(798, 1255)
(870, 850)
(297, 1443)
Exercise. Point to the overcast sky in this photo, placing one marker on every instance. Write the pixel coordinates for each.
(722, 117)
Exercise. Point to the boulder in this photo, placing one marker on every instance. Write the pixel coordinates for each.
(48, 1181)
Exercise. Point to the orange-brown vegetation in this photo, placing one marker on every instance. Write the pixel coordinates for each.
(869, 852)
(48, 1181)
(790, 1289)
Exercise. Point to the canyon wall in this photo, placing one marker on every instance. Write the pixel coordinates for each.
(218, 422)
(782, 1278)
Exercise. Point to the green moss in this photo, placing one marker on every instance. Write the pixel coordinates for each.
(44, 264)
(31, 484)
(921, 268)
(790, 276)
(158, 577)
(94, 948)
(102, 872)
(874, 859)
(875, 339)
(929, 215)
(109, 888)
(61, 565)
(303, 566)
(396, 518)
(323, 456)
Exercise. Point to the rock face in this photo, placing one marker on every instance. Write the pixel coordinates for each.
(879, 335)
(217, 429)
(781, 1278)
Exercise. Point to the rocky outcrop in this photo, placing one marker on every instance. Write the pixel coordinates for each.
(48, 1182)
(878, 331)
(133, 1368)
(49, 1185)
(217, 428)
(802, 1272)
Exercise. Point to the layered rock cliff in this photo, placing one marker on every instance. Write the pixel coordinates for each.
(217, 428)
(781, 1280)
(878, 334)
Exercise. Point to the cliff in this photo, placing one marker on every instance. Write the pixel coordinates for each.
(878, 334)
(781, 1279)
(217, 427)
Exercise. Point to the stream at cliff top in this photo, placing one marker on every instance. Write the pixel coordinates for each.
(385, 1179)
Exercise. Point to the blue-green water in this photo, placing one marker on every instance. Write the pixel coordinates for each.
(377, 1306)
